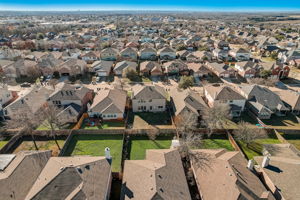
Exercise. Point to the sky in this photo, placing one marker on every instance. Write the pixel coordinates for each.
(192, 5)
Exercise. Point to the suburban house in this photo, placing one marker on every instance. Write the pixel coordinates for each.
(102, 68)
(47, 65)
(220, 54)
(290, 98)
(247, 69)
(240, 54)
(109, 54)
(280, 170)
(151, 68)
(223, 94)
(20, 171)
(182, 54)
(121, 67)
(148, 98)
(148, 54)
(221, 70)
(108, 104)
(129, 54)
(167, 53)
(69, 114)
(30, 101)
(287, 56)
(159, 176)
(198, 70)
(227, 173)
(23, 67)
(278, 70)
(78, 177)
(72, 67)
(67, 94)
(186, 102)
(263, 102)
(90, 56)
(199, 56)
(6, 96)
(176, 67)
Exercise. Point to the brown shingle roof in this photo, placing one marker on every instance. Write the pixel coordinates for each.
(225, 176)
(18, 177)
(159, 176)
(81, 177)
(223, 92)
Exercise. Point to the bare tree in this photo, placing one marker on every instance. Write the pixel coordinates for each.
(153, 133)
(52, 121)
(216, 117)
(26, 122)
(246, 134)
(187, 122)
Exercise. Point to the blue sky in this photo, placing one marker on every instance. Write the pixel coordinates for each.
(202, 5)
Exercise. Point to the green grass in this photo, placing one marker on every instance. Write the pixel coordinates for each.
(94, 145)
(42, 145)
(217, 144)
(106, 125)
(139, 145)
(286, 121)
(2, 143)
(293, 139)
(146, 80)
(44, 127)
(256, 147)
(140, 119)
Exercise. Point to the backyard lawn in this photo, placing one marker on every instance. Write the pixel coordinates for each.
(146, 119)
(44, 127)
(94, 145)
(217, 144)
(293, 139)
(42, 145)
(288, 121)
(106, 125)
(139, 145)
(256, 147)
(2, 143)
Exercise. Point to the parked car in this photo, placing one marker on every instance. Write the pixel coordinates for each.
(25, 84)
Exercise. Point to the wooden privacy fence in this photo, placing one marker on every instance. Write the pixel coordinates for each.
(80, 121)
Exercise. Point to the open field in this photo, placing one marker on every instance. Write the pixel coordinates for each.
(139, 145)
(42, 145)
(94, 145)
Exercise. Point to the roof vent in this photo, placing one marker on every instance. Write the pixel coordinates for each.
(265, 161)
(250, 164)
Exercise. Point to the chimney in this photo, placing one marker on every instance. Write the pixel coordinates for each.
(250, 165)
(266, 161)
(175, 143)
(107, 155)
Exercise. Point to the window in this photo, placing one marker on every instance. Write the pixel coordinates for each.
(160, 107)
(150, 107)
(150, 100)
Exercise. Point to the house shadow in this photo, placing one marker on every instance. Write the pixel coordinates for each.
(274, 169)
(126, 192)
